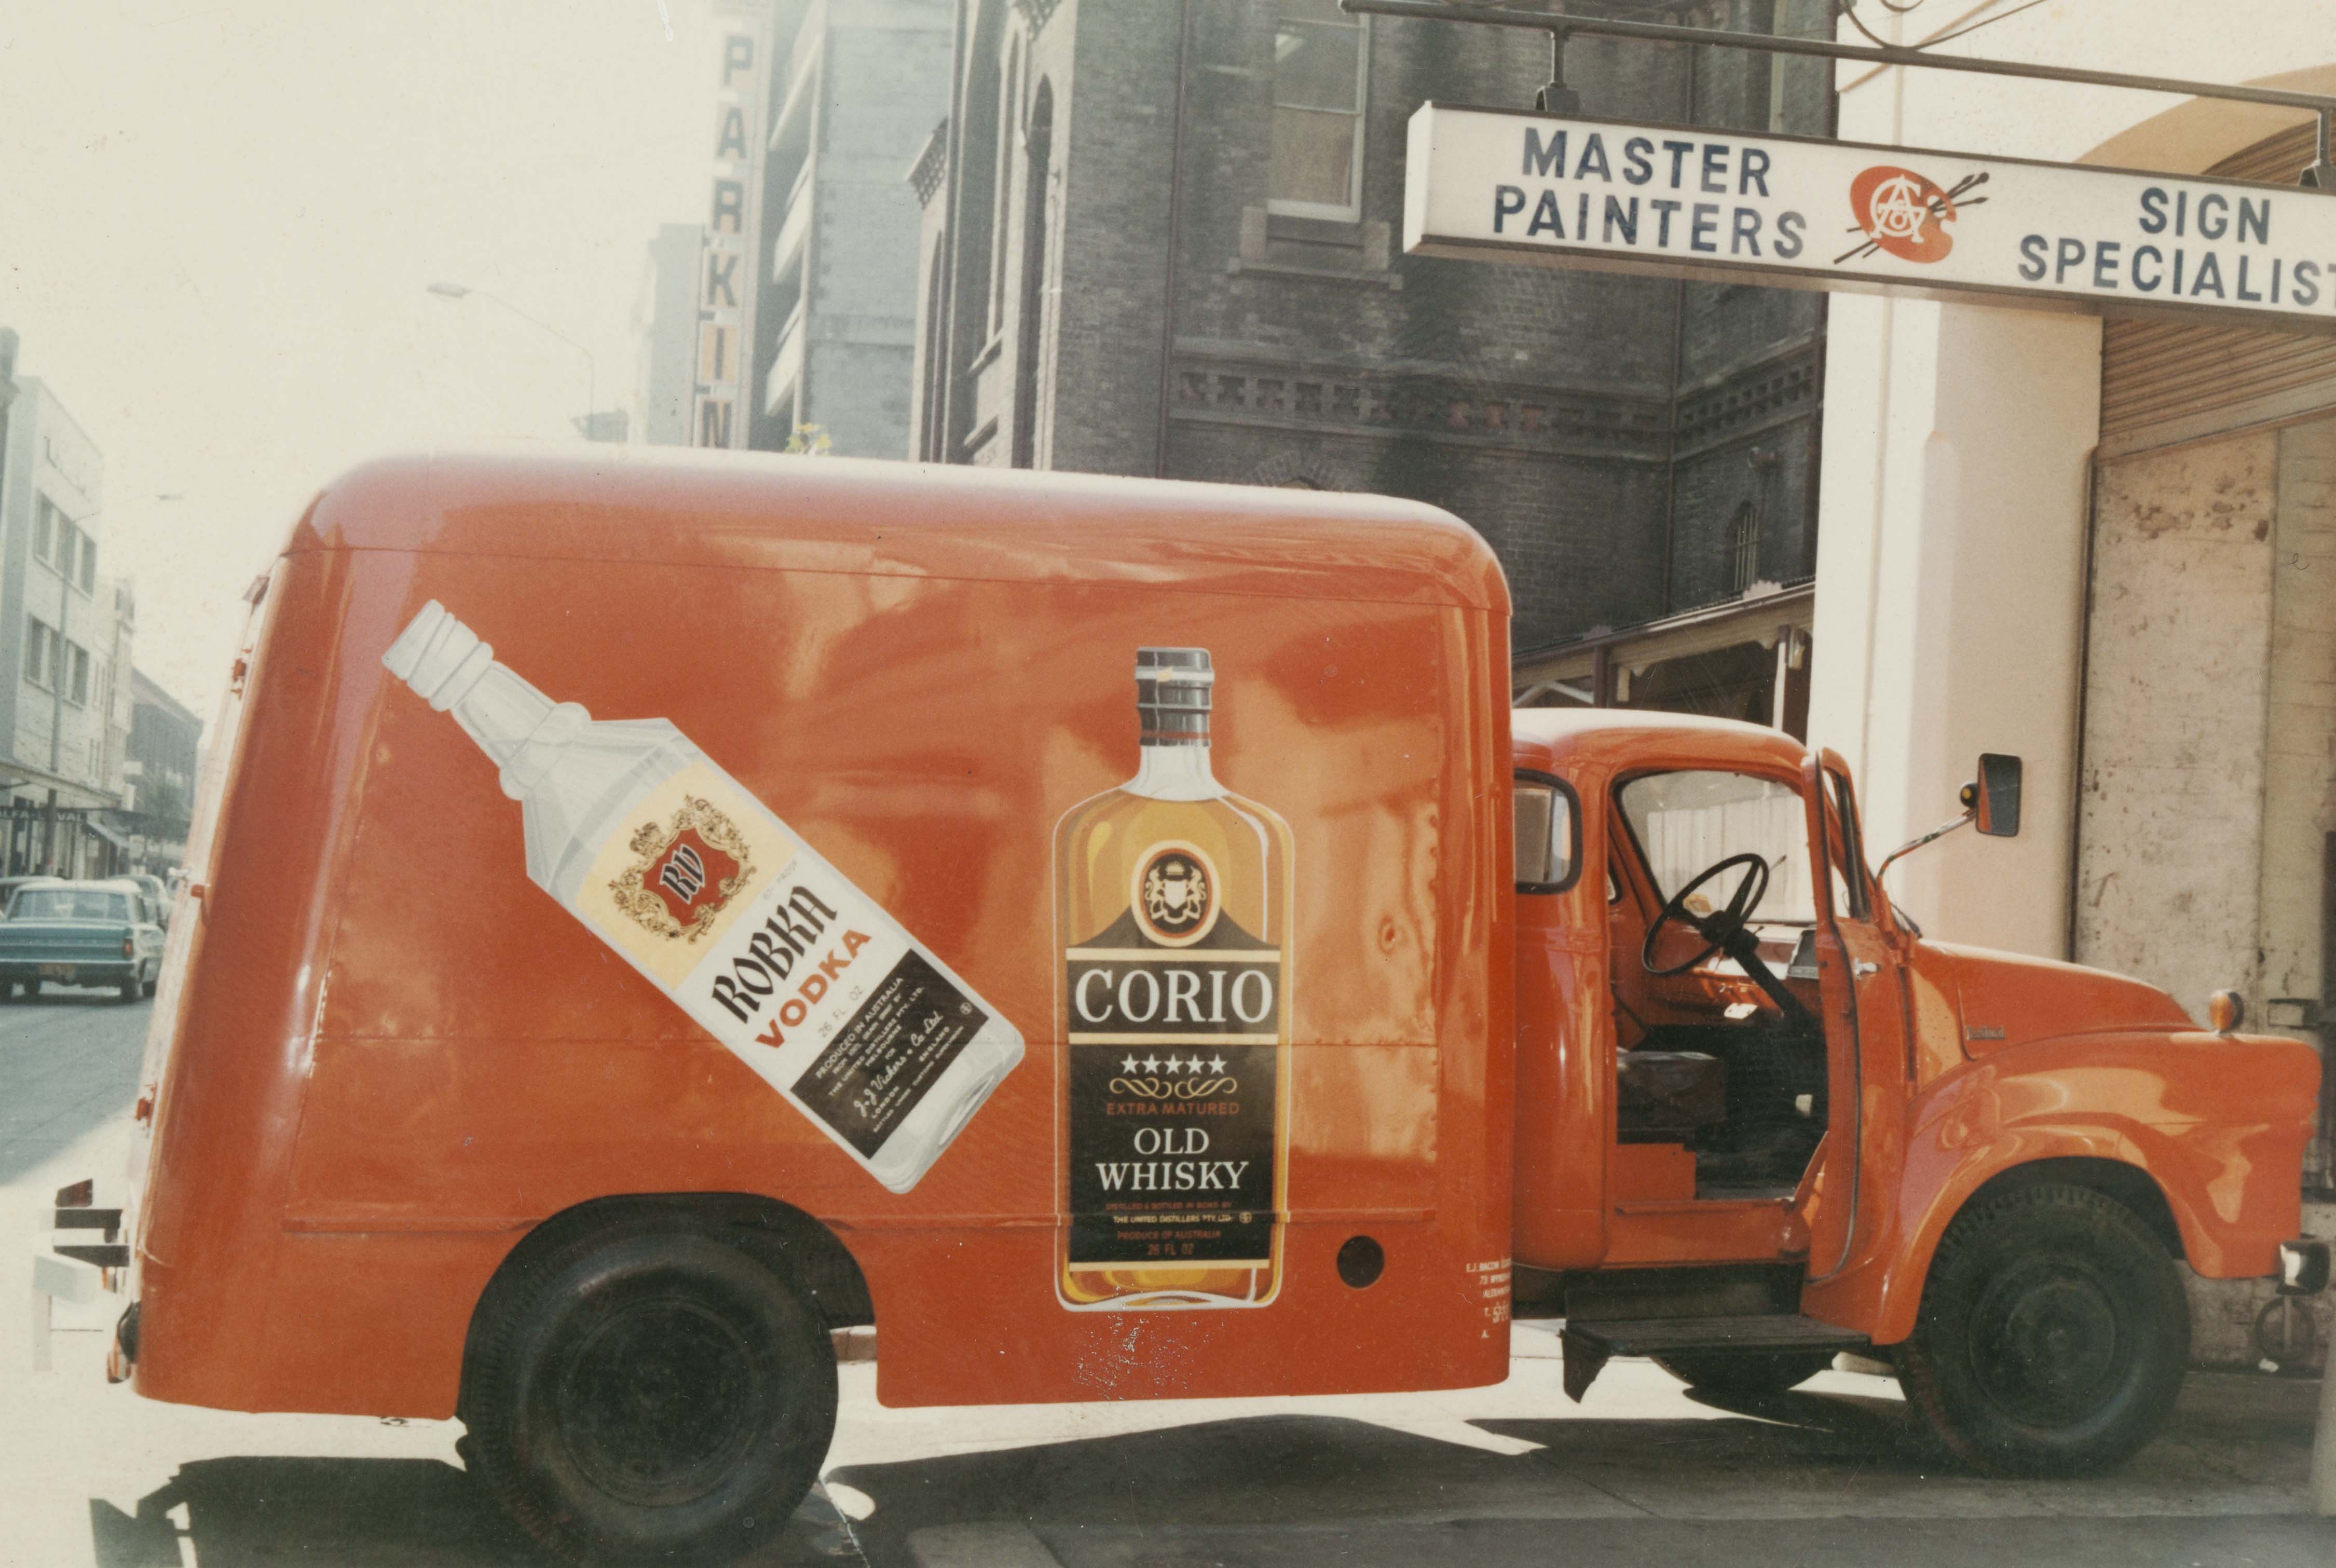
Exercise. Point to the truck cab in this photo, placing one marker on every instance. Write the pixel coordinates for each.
(1763, 1119)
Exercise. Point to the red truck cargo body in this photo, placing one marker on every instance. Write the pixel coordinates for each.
(391, 1056)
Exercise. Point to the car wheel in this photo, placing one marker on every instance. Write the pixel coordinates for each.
(1746, 1374)
(650, 1390)
(154, 981)
(2053, 1334)
(129, 990)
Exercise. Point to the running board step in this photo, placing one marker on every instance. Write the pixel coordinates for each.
(1588, 1345)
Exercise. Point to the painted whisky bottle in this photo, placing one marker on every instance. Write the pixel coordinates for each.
(1173, 910)
(726, 909)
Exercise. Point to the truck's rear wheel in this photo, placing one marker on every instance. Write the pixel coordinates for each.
(1747, 1375)
(650, 1390)
(2053, 1334)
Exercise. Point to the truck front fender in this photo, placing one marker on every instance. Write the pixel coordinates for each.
(2215, 1125)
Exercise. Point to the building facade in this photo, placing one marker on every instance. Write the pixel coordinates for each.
(2105, 547)
(665, 335)
(165, 760)
(61, 637)
(857, 85)
(1163, 238)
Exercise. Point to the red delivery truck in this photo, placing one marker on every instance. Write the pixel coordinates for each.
(652, 914)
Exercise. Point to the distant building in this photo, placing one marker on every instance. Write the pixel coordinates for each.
(61, 635)
(165, 750)
(664, 326)
(859, 85)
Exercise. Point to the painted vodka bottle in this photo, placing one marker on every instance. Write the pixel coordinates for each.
(724, 908)
(1173, 910)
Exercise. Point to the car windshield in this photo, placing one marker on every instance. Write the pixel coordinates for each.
(69, 904)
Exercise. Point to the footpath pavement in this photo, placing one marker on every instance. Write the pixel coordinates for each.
(1641, 1473)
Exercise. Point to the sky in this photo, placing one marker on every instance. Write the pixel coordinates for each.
(218, 224)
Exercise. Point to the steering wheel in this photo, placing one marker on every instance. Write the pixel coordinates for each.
(1719, 930)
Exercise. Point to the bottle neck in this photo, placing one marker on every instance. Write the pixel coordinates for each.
(523, 731)
(1178, 771)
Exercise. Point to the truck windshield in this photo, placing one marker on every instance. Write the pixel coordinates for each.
(1687, 822)
(69, 904)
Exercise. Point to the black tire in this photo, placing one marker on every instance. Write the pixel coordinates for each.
(129, 990)
(651, 1389)
(2053, 1334)
(153, 983)
(1745, 1375)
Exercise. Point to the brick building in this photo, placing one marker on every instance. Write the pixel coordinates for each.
(1164, 239)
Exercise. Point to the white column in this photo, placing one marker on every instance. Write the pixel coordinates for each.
(1949, 599)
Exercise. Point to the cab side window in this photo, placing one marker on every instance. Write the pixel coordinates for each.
(1548, 833)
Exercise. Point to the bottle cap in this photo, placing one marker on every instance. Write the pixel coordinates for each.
(439, 657)
(1172, 694)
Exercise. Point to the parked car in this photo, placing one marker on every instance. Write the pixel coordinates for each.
(90, 933)
(159, 898)
(9, 886)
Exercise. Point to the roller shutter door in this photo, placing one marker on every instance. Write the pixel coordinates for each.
(2163, 382)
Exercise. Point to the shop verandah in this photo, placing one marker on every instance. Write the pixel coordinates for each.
(61, 840)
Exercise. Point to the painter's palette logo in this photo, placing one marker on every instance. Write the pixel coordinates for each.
(1906, 213)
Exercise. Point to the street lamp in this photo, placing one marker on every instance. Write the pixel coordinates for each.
(591, 367)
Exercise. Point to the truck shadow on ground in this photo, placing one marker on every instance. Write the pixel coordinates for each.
(1321, 1470)
(242, 1512)
(2236, 1446)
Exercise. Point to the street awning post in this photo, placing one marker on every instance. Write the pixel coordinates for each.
(2324, 1439)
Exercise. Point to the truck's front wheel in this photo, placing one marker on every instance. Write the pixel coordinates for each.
(2053, 1334)
(651, 1390)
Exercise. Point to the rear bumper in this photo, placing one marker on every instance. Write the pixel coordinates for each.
(110, 971)
(86, 1260)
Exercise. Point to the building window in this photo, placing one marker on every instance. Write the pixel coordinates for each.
(37, 658)
(1321, 61)
(44, 528)
(88, 564)
(1744, 545)
(1037, 186)
(80, 690)
(1009, 93)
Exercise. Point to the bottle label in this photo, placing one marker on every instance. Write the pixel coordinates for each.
(1174, 1031)
(775, 954)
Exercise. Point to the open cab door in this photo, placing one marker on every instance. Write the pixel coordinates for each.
(1854, 951)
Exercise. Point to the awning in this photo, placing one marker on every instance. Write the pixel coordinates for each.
(118, 840)
(1761, 617)
(70, 795)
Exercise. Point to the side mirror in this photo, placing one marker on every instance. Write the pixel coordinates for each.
(1995, 801)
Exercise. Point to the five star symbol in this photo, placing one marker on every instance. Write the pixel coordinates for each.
(1174, 1064)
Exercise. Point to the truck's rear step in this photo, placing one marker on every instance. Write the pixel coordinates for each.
(1588, 1343)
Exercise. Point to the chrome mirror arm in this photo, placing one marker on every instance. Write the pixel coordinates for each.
(1914, 844)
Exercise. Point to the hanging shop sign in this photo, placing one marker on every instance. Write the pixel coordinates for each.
(1795, 212)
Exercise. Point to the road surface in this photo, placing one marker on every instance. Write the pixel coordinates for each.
(1641, 1473)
